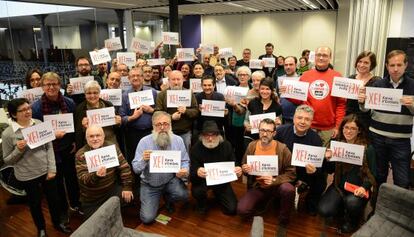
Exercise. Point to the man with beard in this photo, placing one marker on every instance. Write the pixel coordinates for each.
(182, 117)
(97, 187)
(261, 189)
(211, 147)
(155, 185)
(83, 69)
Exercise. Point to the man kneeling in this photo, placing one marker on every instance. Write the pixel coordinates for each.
(212, 148)
(155, 185)
(97, 187)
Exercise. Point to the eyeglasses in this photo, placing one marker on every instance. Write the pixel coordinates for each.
(25, 109)
(160, 125)
(242, 75)
(83, 65)
(321, 55)
(92, 93)
(353, 129)
(51, 85)
(266, 131)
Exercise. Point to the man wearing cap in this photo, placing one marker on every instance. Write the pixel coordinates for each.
(212, 147)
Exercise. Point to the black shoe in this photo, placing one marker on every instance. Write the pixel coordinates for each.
(63, 228)
(42, 233)
(15, 199)
(348, 227)
(201, 209)
(169, 206)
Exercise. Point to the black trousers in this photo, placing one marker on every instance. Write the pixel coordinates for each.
(317, 184)
(34, 190)
(332, 204)
(223, 193)
(67, 181)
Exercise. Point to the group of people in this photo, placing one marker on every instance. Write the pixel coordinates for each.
(60, 169)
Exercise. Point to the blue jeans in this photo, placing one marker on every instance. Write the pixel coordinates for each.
(187, 140)
(394, 150)
(174, 190)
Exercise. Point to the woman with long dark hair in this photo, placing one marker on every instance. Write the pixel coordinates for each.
(336, 201)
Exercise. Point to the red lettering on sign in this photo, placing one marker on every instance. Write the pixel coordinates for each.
(374, 98)
(339, 152)
(301, 155)
(95, 161)
(33, 137)
(95, 119)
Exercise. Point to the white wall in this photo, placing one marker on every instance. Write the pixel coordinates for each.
(401, 19)
(289, 32)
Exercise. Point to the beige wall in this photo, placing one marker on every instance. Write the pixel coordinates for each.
(289, 32)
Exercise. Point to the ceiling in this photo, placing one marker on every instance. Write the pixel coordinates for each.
(203, 7)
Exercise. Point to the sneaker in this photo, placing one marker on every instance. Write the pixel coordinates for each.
(76, 210)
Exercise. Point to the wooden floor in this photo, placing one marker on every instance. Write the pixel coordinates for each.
(15, 221)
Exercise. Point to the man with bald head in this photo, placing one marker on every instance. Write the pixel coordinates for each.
(97, 187)
(113, 81)
(182, 117)
(329, 110)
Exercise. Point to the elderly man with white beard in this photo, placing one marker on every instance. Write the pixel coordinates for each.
(155, 185)
(211, 147)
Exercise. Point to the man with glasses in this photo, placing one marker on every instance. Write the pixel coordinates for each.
(247, 54)
(329, 110)
(53, 102)
(83, 69)
(261, 189)
(136, 122)
(212, 147)
(155, 185)
(222, 79)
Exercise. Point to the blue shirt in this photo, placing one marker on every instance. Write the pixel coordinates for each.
(141, 166)
(141, 123)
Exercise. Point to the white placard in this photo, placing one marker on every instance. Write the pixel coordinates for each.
(61, 122)
(112, 95)
(165, 161)
(257, 118)
(269, 62)
(207, 48)
(100, 56)
(113, 44)
(386, 99)
(346, 88)
(78, 84)
(144, 97)
(195, 85)
(128, 58)
(32, 94)
(226, 52)
(140, 45)
(312, 56)
(38, 134)
(213, 108)
(156, 61)
(177, 98)
(305, 154)
(263, 165)
(3, 116)
(104, 156)
(281, 79)
(296, 90)
(170, 38)
(185, 54)
(236, 93)
(220, 172)
(125, 84)
(255, 64)
(101, 117)
(347, 153)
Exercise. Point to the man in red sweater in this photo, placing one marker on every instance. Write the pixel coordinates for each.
(329, 110)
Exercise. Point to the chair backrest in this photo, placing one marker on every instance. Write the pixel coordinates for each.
(105, 222)
(396, 204)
